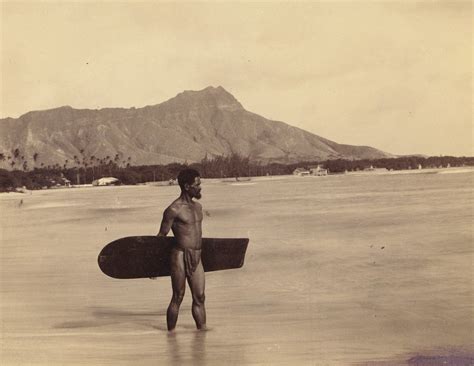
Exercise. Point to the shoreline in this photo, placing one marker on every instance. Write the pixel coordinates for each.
(247, 180)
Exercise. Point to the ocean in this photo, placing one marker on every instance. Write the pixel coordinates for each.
(361, 269)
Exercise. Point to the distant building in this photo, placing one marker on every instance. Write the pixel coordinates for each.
(315, 171)
(375, 170)
(318, 171)
(61, 182)
(106, 181)
(301, 172)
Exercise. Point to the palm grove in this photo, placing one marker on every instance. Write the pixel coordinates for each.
(32, 173)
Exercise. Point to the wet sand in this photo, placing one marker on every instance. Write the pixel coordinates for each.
(341, 270)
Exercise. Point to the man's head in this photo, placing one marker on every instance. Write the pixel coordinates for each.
(190, 181)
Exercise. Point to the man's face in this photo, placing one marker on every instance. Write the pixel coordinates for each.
(194, 189)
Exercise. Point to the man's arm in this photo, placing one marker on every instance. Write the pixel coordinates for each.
(168, 218)
(166, 223)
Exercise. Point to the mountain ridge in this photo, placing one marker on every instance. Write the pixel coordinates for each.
(185, 128)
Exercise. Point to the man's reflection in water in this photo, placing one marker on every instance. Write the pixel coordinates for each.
(198, 348)
(174, 350)
(182, 356)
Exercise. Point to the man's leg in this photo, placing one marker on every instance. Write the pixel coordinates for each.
(178, 283)
(196, 284)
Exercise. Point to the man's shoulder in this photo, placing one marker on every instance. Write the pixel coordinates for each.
(177, 205)
(198, 205)
(174, 207)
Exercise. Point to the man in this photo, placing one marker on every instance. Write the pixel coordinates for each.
(184, 217)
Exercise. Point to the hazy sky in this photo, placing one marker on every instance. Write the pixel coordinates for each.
(393, 75)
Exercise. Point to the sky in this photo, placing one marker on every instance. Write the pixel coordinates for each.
(396, 75)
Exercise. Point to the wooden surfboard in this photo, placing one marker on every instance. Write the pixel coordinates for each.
(148, 256)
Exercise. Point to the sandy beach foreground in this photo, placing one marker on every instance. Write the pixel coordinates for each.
(341, 270)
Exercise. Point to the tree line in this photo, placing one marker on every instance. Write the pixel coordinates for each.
(84, 170)
(400, 163)
(17, 160)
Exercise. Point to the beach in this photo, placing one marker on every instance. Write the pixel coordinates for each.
(340, 270)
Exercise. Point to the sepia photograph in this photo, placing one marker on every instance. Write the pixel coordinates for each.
(236, 183)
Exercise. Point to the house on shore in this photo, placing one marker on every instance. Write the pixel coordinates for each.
(61, 182)
(106, 181)
(318, 171)
(66, 182)
(301, 172)
(373, 169)
(314, 171)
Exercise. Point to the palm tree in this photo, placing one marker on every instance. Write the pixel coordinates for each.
(16, 153)
(93, 170)
(85, 171)
(35, 159)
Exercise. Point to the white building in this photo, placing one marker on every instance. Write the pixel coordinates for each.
(301, 172)
(318, 171)
(106, 181)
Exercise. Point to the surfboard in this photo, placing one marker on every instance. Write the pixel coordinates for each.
(148, 256)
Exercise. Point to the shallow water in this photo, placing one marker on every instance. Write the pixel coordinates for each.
(339, 270)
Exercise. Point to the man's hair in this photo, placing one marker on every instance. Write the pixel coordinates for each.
(187, 176)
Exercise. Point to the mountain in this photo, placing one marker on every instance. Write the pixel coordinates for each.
(185, 128)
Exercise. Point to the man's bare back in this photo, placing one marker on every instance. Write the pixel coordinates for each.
(184, 218)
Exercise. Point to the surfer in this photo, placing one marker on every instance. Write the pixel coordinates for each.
(184, 218)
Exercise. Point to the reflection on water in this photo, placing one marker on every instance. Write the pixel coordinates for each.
(100, 316)
(339, 270)
(196, 354)
(174, 349)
